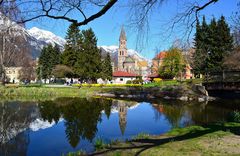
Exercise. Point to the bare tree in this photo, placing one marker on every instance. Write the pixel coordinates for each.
(62, 9)
(13, 45)
(236, 26)
(140, 10)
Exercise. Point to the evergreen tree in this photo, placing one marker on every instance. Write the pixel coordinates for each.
(89, 60)
(107, 68)
(212, 42)
(56, 56)
(44, 70)
(201, 53)
(70, 55)
(48, 59)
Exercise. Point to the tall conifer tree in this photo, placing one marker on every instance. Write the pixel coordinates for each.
(72, 47)
(107, 68)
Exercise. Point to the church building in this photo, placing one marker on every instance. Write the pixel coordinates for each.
(125, 62)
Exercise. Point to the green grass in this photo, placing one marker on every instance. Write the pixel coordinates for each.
(45, 92)
(173, 82)
(100, 144)
(216, 139)
(141, 136)
(40, 92)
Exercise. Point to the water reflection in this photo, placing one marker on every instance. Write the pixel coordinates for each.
(81, 116)
(83, 120)
(181, 114)
(15, 120)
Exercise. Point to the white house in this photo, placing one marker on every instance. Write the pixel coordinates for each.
(121, 77)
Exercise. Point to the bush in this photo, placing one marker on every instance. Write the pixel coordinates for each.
(129, 82)
(99, 144)
(137, 81)
(234, 116)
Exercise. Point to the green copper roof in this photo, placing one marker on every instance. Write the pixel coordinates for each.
(129, 60)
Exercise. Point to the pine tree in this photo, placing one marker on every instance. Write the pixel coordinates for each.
(44, 64)
(225, 41)
(197, 55)
(212, 42)
(73, 46)
(56, 55)
(89, 60)
(48, 59)
(107, 68)
(201, 53)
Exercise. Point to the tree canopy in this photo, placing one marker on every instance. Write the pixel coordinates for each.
(173, 63)
(213, 42)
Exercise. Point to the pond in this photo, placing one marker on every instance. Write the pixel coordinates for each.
(72, 124)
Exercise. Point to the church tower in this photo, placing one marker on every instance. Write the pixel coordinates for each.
(122, 50)
(122, 112)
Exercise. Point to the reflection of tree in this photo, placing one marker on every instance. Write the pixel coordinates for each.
(173, 113)
(81, 116)
(107, 107)
(49, 111)
(15, 118)
(202, 114)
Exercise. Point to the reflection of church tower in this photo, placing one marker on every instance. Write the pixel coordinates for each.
(122, 51)
(122, 112)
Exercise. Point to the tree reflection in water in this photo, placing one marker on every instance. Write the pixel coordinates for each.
(81, 116)
(15, 119)
(180, 114)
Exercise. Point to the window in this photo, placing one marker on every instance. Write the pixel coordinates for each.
(121, 79)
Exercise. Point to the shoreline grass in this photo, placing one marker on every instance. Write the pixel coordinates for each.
(215, 139)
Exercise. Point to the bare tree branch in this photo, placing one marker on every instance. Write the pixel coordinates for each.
(59, 9)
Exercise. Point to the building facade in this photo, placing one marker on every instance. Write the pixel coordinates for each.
(12, 74)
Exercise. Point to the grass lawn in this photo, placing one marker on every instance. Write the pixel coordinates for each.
(41, 92)
(217, 139)
(172, 82)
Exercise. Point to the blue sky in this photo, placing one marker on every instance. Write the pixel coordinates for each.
(107, 28)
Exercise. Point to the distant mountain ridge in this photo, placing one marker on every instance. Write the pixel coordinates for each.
(38, 38)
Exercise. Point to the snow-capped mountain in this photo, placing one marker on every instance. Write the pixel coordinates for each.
(35, 38)
(46, 36)
(38, 38)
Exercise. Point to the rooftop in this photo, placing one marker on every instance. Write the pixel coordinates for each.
(123, 74)
(160, 55)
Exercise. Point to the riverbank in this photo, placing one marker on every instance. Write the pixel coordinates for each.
(172, 90)
(216, 139)
(181, 92)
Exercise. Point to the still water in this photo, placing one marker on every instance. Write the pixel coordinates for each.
(71, 124)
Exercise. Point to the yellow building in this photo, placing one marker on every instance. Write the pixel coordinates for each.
(12, 74)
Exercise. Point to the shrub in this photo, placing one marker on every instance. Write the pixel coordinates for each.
(99, 144)
(141, 136)
(234, 116)
(129, 82)
(137, 81)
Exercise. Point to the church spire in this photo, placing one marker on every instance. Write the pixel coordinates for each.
(123, 34)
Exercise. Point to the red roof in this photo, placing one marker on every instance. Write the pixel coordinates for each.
(161, 55)
(123, 74)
